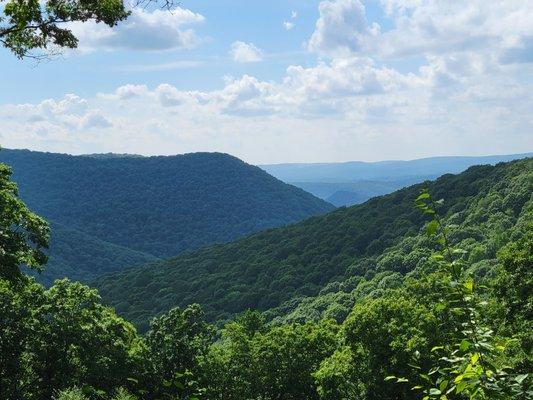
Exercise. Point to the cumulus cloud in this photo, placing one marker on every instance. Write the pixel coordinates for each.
(143, 30)
(242, 52)
(70, 113)
(427, 28)
(95, 120)
(126, 92)
(341, 28)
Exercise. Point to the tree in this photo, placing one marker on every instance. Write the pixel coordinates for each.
(16, 311)
(382, 334)
(176, 341)
(29, 25)
(62, 337)
(255, 361)
(23, 235)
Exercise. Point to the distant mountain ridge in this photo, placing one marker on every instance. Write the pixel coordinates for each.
(354, 182)
(146, 208)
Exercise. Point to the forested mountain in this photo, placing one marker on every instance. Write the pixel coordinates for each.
(340, 251)
(432, 301)
(111, 210)
(354, 182)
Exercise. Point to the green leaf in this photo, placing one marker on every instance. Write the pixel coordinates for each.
(423, 195)
(432, 227)
(469, 286)
(465, 345)
(460, 387)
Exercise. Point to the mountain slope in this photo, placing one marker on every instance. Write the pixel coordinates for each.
(82, 257)
(271, 268)
(334, 182)
(159, 206)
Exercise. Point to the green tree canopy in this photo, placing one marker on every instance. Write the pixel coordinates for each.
(29, 25)
(23, 235)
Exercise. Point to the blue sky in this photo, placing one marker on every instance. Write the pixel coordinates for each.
(203, 67)
(284, 81)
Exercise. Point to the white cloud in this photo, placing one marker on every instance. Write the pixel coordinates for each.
(342, 28)
(95, 120)
(288, 25)
(143, 30)
(426, 28)
(72, 113)
(242, 52)
(127, 92)
(168, 96)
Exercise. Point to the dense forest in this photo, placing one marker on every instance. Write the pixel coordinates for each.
(340, 251)
(442, 311)
(114, 211)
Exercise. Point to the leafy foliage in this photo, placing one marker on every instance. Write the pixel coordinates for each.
(176, 341)
(23, 235)
(58, 338)
(468, 360)
(30, 25)
(36, 29)
(254, 361)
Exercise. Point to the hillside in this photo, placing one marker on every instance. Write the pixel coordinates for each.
(83, 257)
(149, 207)
(269, 269)
(348, 183)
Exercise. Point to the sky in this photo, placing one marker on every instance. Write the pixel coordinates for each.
(284, 81)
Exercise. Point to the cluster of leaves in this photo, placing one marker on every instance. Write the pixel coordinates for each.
(39, 29)
(366, 248)
(468, 362)
(28, 25)
(23, 235)
(63, 338)
(108, 211)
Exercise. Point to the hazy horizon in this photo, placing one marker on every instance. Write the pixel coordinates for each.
(521, 154)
